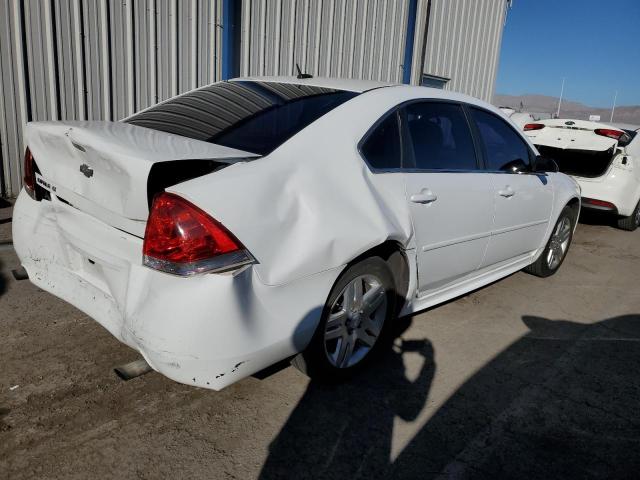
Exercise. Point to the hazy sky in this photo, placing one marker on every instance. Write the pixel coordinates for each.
(595, 44)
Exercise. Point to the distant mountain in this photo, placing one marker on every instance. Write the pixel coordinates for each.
(569, 109)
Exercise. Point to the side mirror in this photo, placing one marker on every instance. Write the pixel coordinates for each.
(546, 164)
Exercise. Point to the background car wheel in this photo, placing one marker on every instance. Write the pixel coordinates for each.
(354, 323)
(556, 250)
(631, 222)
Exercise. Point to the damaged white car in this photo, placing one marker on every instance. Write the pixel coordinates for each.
(604, 159)
(254, 220)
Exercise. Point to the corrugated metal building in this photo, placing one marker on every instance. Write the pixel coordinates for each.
(455, 43)
(463, 45)
(98, 60)
(105, 59)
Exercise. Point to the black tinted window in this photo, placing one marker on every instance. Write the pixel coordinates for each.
(503, 147)
(440, 136)
(255, 117)
(381, 149)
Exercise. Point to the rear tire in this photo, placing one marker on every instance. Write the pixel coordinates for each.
(355, 322)
(631, 222)
(557, 247)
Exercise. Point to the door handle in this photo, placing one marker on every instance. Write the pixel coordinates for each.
(425, 196)
(508, 192)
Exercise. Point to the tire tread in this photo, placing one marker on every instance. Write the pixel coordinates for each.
(629, 223)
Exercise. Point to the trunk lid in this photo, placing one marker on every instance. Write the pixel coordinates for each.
(571, 134)
(104, 168)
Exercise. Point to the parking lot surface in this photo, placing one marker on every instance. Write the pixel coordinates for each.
(527, 377)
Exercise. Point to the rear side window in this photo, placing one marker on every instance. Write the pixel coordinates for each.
(256, 117)
(503, 147)
(381, 149)
(440, 136)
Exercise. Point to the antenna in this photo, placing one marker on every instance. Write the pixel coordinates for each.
(560, 100)
(613, 109)
(301, 75)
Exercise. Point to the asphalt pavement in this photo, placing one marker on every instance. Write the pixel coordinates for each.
(525, 378)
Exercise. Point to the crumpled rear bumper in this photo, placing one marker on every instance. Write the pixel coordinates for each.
(209, 330)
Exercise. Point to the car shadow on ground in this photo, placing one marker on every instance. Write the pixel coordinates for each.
(560, 402)
(3, 279)
(4, 427)
(593, 217)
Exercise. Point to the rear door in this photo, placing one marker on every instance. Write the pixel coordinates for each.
(523, 200)
(449, 196)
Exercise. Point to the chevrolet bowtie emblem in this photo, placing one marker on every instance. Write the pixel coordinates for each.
(86, 170)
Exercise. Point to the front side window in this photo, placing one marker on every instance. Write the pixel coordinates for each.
(381, 148)
(504, 149)
(440, 136)
(256, 117)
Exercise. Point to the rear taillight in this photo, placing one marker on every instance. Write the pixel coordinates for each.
(599, 203)
(181, 239)
(533, 126)
(608, 132)
(29, 179)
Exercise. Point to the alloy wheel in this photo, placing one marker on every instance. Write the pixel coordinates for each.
(559, 243)
(355, 321)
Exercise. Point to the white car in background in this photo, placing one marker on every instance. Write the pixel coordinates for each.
(254, 220)
(604, 159)
(519, 118)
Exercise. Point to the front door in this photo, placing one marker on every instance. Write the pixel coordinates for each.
(523, 200)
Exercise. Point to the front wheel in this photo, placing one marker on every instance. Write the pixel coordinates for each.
(556, 250)
(354, 322)
(631, 222)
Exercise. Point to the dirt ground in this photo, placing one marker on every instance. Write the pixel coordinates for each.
(524, 378)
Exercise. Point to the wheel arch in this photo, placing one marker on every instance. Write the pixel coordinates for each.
(574, 204)
(394, 254)
(396, 257)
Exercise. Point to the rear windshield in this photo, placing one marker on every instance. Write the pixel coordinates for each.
(256, 117)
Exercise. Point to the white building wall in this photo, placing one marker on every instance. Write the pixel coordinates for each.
(97, 60)
(463, 44)
(456, 39)
(338, 38)
(105, 59)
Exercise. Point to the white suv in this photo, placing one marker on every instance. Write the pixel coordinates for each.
(604, 159)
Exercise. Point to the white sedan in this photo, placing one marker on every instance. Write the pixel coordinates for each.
(604, 160)
(261, 219)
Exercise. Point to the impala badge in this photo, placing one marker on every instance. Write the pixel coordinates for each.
(86, 170)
